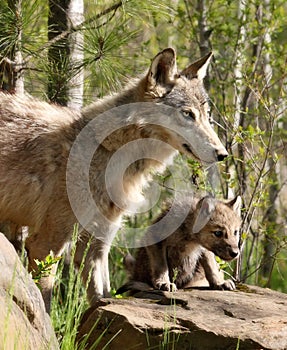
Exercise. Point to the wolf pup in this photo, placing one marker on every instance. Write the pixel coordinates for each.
(37, 139)
(211, 228)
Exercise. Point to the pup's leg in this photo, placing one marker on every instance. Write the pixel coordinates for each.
(213, 274)
(159, 268)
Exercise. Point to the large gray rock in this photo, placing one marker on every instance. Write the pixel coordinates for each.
(223, 320)
(24, 323)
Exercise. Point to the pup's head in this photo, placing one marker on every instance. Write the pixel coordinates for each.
(217, 226)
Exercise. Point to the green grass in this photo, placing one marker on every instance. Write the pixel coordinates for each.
(69, 301)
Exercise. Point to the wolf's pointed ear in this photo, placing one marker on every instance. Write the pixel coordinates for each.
(235, 204)
(162, 71)
(205, 208)
(198, 69)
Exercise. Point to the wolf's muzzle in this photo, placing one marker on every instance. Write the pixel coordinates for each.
(221, 155)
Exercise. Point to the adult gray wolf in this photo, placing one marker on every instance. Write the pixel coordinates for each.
(211, 227)
(36, 139)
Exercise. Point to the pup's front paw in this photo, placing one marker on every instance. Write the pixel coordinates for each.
(226, 285)
(229, 285)
(166, 286)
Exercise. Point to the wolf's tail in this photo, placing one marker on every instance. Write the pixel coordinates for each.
(145, 291)
(140, 290)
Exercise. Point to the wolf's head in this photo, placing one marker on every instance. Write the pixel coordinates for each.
(217, 225)
(190, 128)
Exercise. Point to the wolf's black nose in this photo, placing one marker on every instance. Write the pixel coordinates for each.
(221, 155)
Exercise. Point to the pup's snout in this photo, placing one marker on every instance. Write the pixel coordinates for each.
(233, 254)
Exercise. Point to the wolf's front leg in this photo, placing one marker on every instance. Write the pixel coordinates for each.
(96, 268)
(213, 274)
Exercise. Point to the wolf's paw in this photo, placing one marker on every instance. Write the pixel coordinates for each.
(166, 286)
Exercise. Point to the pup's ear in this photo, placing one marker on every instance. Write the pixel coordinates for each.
(205, 208)
(235, 204)
(198, 69)
(162, 71)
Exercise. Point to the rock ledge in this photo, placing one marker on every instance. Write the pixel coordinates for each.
(221, 320)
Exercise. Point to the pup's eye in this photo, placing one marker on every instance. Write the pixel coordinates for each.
(235, 233)
(218, 233)
(189, 114)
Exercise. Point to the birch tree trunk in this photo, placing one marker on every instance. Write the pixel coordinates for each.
(239, 90)
(76, 42)
(18, 76)
(271, 215)
(239, 64)
(204, 32)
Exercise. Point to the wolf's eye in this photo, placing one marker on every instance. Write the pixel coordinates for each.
(189, 114)
(210, 118)
(218, 233)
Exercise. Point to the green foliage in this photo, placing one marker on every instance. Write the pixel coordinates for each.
(70, 303)
(44, 268)
(248, 104)
(69, 300)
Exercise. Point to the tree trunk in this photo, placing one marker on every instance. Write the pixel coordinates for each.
(11, 72)
(59, 52)
(76, 42)
(66, 55)
(204, 32)
(271, 215)
(239, 64)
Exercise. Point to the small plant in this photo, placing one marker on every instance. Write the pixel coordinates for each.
(238, 344)
(44, 267)
(170, 338)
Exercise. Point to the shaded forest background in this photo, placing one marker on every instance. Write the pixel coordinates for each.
(72, 52)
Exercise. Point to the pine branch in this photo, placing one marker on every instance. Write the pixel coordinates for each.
(65, 33)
